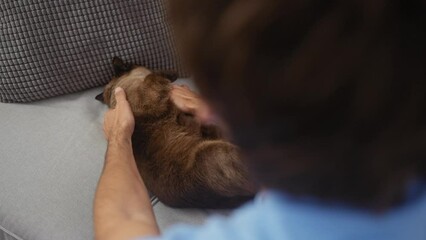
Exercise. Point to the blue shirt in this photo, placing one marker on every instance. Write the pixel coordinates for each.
(273, 215)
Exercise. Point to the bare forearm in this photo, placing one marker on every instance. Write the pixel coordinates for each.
(122, 205)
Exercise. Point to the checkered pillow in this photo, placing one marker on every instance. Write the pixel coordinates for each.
(54, 47)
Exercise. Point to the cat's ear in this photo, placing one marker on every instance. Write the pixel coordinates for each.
(120, 67)
(169, 74)
(100, 97)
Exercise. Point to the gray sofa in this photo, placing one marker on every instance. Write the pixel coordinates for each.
(51, 156)
(52, 151)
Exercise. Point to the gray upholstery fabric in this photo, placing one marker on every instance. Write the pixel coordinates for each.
(51, 156)
(53, 47)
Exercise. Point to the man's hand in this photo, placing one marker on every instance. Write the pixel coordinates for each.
(122, 208)
(190, 102)
(119, 122)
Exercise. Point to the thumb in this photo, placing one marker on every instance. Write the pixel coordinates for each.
(120, 95)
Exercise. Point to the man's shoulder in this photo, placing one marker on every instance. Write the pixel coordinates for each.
(244, 223)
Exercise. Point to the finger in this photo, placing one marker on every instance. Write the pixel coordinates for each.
(181, 87)
(109, 115)
(176, 89)
(106, 115)
(187, 106)
(105, 132)
(179, 102)
(178, 93)
(120, 95)
(107, 119)
(183, 93)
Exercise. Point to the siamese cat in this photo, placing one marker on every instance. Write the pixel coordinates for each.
(184, 163)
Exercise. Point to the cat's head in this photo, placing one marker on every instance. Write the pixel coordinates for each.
(147, 91)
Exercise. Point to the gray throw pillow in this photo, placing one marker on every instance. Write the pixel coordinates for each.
(54, 47)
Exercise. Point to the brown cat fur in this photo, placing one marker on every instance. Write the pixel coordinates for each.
(182, 162)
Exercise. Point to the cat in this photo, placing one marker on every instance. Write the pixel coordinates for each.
(184, 163)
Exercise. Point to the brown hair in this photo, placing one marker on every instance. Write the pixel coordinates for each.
(326, 98)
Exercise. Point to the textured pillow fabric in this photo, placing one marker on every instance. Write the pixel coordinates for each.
(54, 47)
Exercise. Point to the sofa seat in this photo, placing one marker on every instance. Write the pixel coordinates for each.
(51, 157)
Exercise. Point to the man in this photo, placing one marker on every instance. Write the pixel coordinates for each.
(326, 100)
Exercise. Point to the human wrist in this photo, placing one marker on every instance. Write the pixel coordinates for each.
(119, 149)
(119, 140)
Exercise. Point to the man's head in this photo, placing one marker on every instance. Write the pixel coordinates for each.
(326, 98)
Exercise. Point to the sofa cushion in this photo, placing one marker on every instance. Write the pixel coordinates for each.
(49, 48)
(51, 157)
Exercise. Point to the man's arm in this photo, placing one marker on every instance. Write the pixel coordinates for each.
(122, 208)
